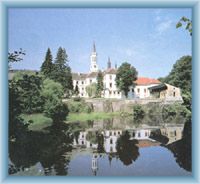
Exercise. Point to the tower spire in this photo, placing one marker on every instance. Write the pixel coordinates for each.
(109, 63)
(94, 47)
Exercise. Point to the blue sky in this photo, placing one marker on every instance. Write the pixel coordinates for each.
(146, 38)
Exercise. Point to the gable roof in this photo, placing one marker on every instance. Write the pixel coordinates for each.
(146, 81)
(92, 74)
(110, 71)
(79, 76)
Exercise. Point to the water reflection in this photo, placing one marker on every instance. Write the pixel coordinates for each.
(94, 144)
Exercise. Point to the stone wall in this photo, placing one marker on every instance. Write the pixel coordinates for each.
(114, 105)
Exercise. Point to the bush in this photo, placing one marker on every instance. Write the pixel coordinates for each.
(79, 106)
(138, 112)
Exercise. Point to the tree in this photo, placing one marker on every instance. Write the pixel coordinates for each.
(99, 84)
(125, 76)
(62, 72)
(53, 107)
(17, 126)
(187, 22)
(181, 74)
(91, 90)
(30, 93)
(47, 65)
(15, 56)
(76, 91)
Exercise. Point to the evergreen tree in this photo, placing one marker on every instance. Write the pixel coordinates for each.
(99, 84)
(125, 76)
(47, 65)
(62, 72)
(76, 90)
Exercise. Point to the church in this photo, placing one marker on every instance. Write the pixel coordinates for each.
(145, 88)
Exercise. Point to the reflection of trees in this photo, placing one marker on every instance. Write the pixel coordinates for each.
(44, 147)
(127, 149)
(182, 148)
(156, 135)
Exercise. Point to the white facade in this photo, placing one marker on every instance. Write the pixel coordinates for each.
(141, 89)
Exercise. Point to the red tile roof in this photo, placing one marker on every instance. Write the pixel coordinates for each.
(146, 81)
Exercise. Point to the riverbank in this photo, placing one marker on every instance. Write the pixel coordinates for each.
(40, 121)
(72, 117)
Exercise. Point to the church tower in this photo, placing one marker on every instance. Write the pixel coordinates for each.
(93, 60)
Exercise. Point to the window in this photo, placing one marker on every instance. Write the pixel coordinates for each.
(118, 133)
(114, 92)
(94, 66)
(114, 133)
(138, 134)
(82, 142)
(146, 134)
(90, 81)
(174, 93)
(118, 92)
(110, 77)
(82, 82)
(83, 136)
(76, 82)
(110, 85)
(132, 90)
(110, 92)
(82, 88)
(111, 149)
(145, 90)
(111, 141)
(110, 133)
(138, 90)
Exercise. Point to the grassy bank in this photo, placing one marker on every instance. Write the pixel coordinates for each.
(90, 116)
(39, 121)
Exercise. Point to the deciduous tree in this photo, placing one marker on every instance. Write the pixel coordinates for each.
(125, 76)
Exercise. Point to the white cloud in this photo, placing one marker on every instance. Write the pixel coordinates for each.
(163, 26)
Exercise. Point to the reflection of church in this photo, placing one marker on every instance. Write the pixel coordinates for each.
(95, 163)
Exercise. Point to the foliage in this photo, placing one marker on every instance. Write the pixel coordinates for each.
(99, 84)
(15, 56)
(47, 65)
(79, 106)
(52, 89)
(127, 149)
(125, 76)
(187, 22)
(17, 126)
(175, 113)
(92, 137)
(62, 72)
(56, 110)
(76, 91)
(181, 74)
(40, 121)
(30, 93)
(91, 90)
(138, 112)
(53, 107)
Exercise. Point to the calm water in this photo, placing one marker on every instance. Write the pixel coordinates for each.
(103, 148)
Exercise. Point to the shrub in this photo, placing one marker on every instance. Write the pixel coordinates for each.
(79, 106)
(138, 112)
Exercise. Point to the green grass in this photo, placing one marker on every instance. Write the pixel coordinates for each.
(39, 121)
(72, 117)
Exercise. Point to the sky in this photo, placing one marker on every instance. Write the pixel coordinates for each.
(145, 38)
